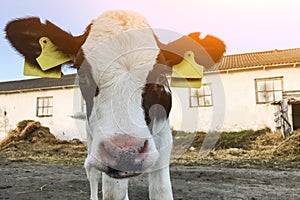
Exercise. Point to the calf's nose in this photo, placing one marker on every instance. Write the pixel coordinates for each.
(124, 153)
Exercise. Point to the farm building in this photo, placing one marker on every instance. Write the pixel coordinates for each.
(53, 102)
(243, 91)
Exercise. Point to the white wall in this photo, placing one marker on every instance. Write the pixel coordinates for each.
(234, 107)
(66, 102)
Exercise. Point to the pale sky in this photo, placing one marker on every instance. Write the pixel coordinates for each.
(244, 25)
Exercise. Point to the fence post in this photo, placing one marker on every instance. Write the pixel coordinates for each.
(286, 126)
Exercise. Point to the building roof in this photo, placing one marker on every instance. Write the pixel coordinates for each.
(246, 61)
(38, 84)
(258, 60)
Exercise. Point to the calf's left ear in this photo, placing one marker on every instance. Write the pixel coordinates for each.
(42, 43)
(188, 56)
(207, 51)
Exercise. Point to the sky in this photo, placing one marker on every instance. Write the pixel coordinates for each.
(244, 25)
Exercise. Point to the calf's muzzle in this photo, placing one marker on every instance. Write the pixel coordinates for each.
(125, 156)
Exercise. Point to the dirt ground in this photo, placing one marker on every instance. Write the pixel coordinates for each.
(246, 165)
(21, 180)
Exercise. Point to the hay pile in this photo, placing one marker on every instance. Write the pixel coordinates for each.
(260, 149)
(28, 130)
(246, 149)
(32, 141)
(290, 148)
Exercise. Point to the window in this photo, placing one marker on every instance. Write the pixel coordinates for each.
(44, 107)
(268, 89)
(201, 97)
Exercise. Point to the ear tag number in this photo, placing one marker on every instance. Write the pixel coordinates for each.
(188, 73)
(50, 56)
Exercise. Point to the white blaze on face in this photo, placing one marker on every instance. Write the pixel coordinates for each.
(121, 50)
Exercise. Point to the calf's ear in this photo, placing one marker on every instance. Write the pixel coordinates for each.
(207, 51)
(25, 36)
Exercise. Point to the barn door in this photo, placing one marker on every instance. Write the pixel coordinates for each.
(296, 116)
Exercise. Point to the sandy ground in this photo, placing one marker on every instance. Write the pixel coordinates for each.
(31, 180)
(250, 165)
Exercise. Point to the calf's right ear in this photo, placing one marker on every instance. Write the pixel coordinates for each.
(30, 37)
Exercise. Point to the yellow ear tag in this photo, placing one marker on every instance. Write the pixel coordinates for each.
(31, 70)
(50, 57)
(187, 73)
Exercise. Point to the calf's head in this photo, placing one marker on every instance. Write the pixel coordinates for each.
(121, 70)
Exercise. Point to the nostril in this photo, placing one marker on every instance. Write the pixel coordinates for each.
(142, 152)
(106, 156)
(141, 148)
(145, 147)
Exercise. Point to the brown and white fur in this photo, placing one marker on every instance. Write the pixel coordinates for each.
(121, 69)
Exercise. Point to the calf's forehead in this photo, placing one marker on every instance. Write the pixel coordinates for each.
(113, 23)
(120, 42)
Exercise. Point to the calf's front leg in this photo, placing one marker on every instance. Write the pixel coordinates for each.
(160, 185)
(93, 177)
(116, 189)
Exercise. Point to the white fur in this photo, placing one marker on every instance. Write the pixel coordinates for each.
(159, 175)
(121, 50)
(112, 23)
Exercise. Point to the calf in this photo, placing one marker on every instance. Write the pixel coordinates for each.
(122, 70)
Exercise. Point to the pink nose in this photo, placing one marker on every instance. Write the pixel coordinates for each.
(124, 153)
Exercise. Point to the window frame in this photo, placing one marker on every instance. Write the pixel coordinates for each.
(201, 96)
(45, 108)
(273, 91)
